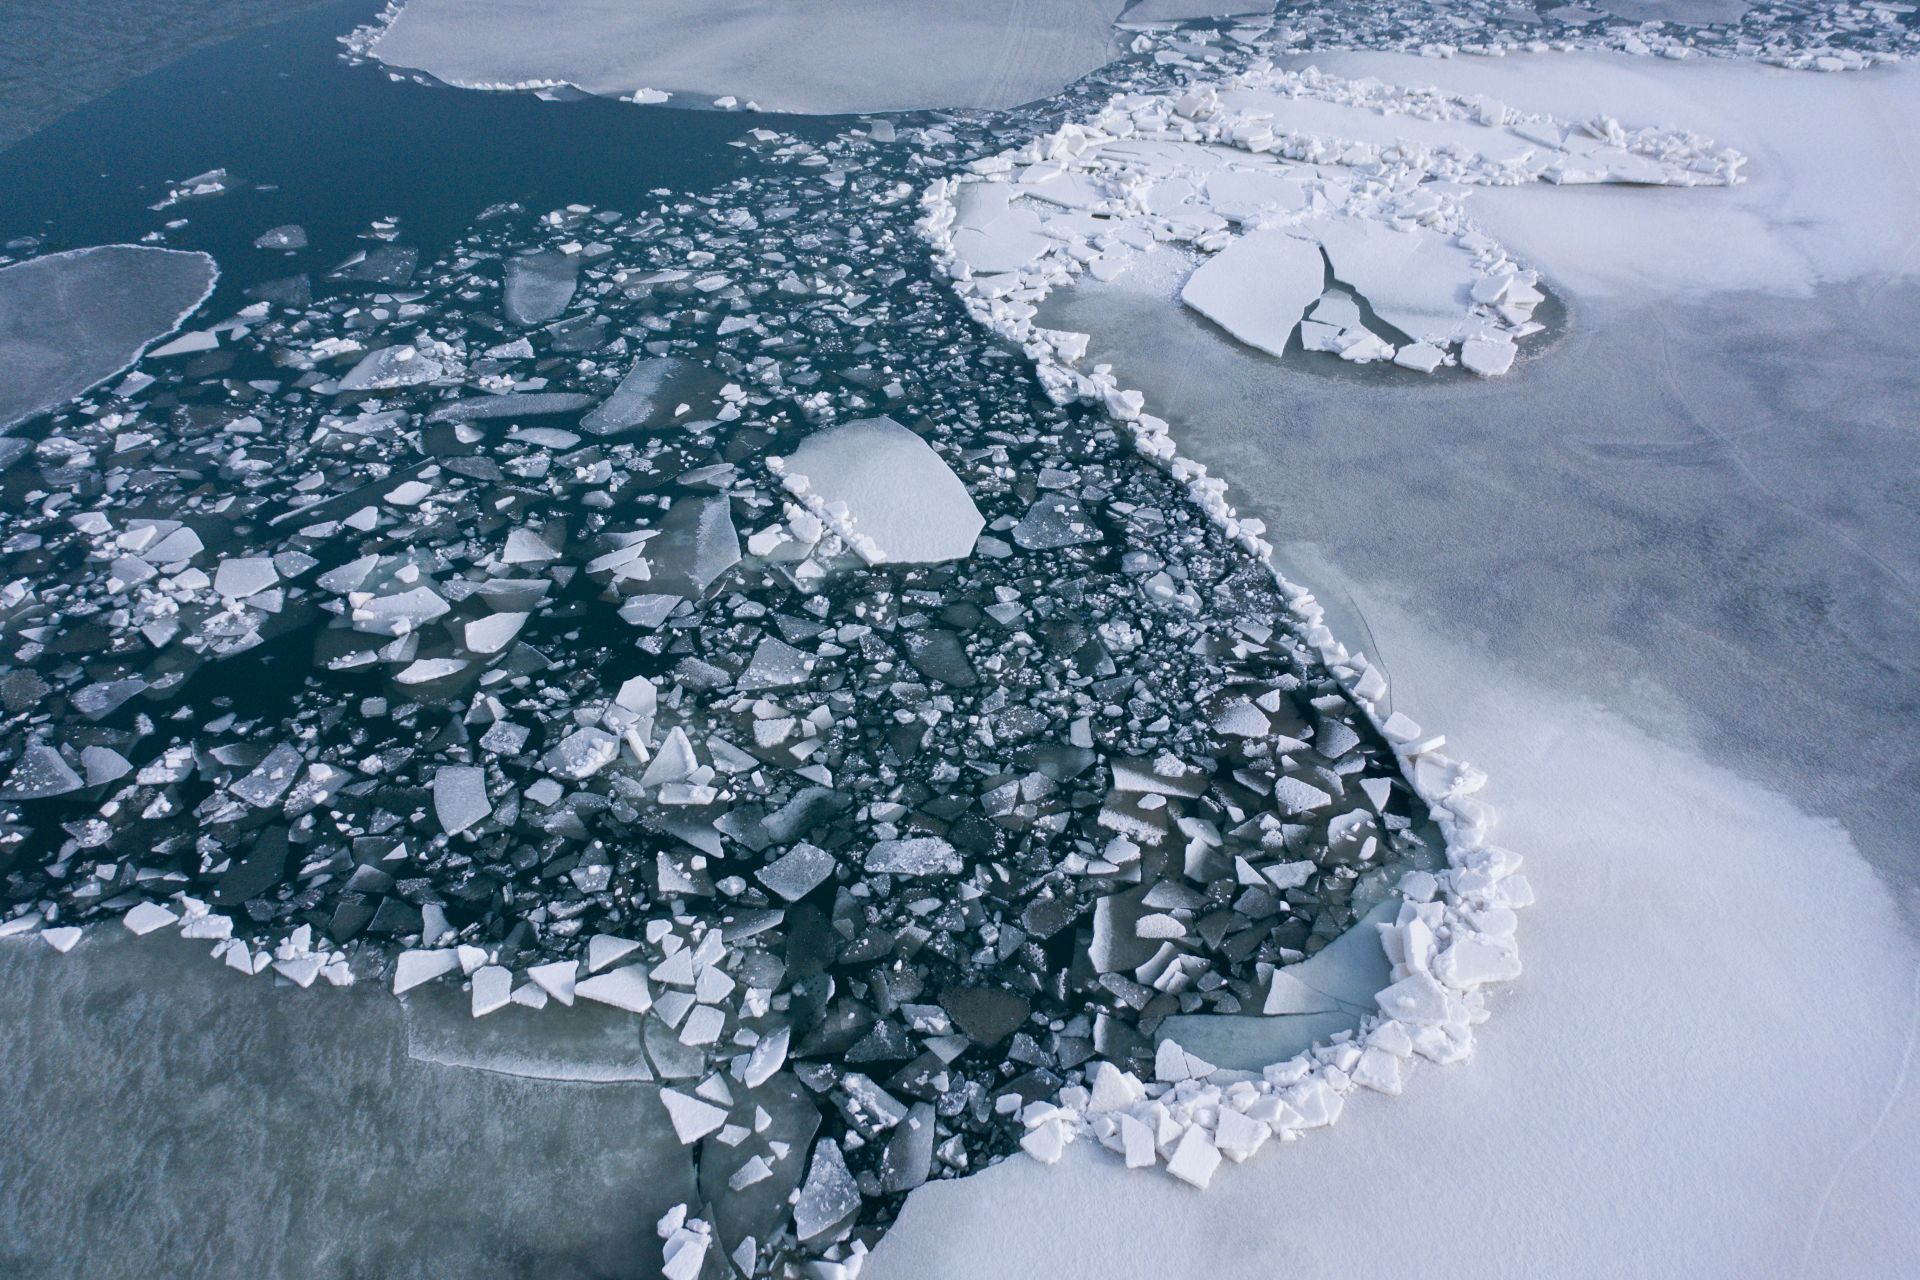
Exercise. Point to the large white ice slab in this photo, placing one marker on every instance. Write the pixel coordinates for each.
(810, 56)
(69, 321)
(1258, 287)
(897, 491)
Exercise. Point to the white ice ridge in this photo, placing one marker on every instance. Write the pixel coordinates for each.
(819, 57)
(1454, 931)
(1284, 182)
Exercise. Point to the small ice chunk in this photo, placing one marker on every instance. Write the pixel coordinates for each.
(1195, 1159)
(460, 797)
(916, 856)
(288, 237)
(494, 632)
(147, 917)
(492, 989)
(1488, 357)
(604, 949)
(829, 1195)
(239, 578)
(797, 872)
(416, 967)
(622, 988)
(556, 979)
(539, 286)
(692, 1118)
(62, 939)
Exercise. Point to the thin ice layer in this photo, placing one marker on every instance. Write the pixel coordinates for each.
(69, 321)
(820, 59)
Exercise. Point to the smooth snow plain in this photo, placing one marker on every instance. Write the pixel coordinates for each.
(70, 321)
(821, 58)
(1658, 585)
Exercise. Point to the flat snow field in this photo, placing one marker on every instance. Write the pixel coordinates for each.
(1660, 583)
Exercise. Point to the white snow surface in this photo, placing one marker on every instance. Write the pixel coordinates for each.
(1830, 193)
(1716, 1027)
(818, 57)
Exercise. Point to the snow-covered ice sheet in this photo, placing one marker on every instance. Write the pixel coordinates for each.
(823, 58)
(1291, 179)
(1659, 586)
(1715, 1027)
(69, 321)
(1829, 196)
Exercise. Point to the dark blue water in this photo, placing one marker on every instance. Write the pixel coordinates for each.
(341, 145)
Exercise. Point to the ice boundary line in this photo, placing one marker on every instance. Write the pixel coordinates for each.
(1454, 932)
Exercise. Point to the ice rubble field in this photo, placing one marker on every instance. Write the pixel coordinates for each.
(1667, 1005)
(716, 520)
(591, 660)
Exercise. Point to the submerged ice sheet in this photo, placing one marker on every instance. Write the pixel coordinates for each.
(820, 57)
(69, 321)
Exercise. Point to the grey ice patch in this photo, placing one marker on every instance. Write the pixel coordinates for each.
(69, 321)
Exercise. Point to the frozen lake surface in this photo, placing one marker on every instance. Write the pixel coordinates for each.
(821, 58)
(654, 692)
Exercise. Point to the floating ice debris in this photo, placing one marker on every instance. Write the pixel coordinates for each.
(692, 1118)
(147, 917)
(205, 186)
(460, 797)
(622, 988)
(898, 497)
(920, 856)
(829, 1195)
(288, 237)
(797, 872)
(69, 321)
(649, 397)
(539, 286)
(62, 939)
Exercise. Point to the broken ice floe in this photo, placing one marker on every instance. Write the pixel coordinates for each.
(850, 56)
(885, 492)
(1304, 192)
